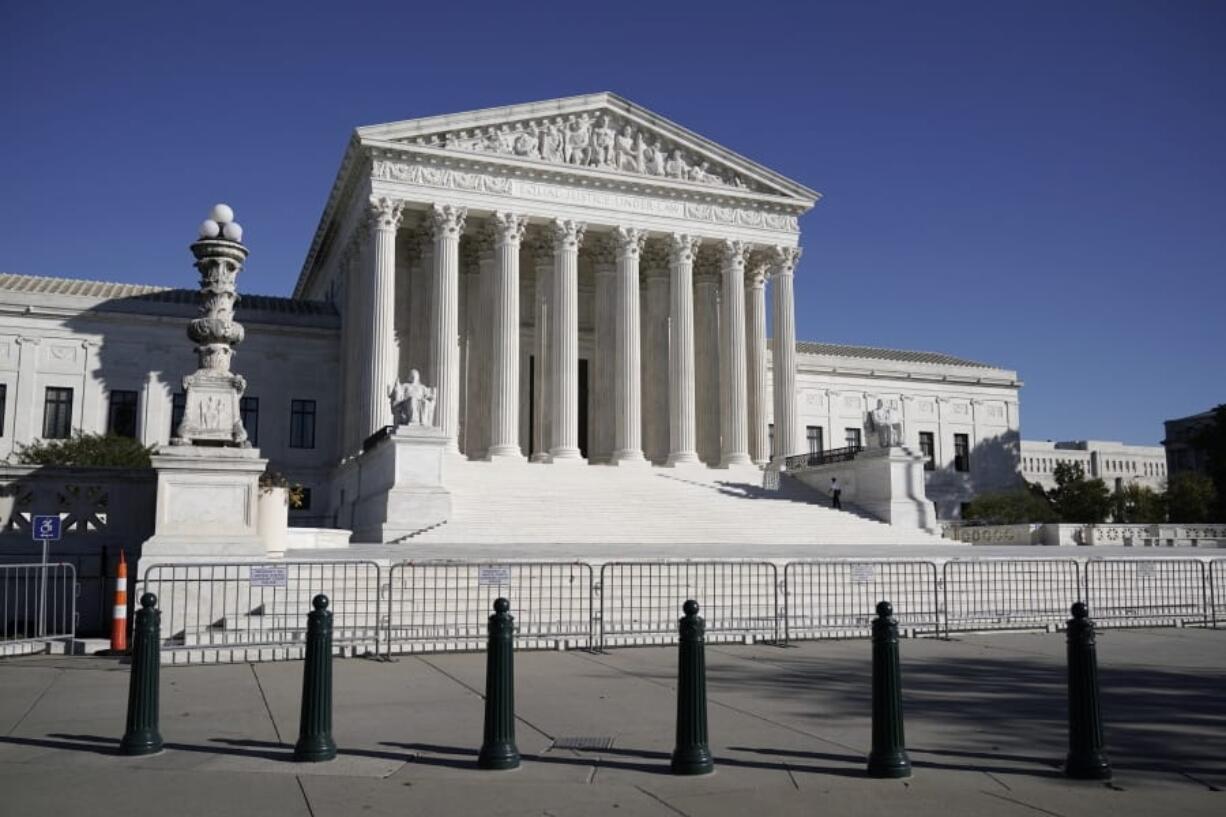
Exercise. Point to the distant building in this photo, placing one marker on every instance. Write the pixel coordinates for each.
(1116, 464)
(1181, 455)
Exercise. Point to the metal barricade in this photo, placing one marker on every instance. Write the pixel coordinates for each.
(1146, 592)
(446, 605)
(216, 612)
(1009, 594)
(838, 598)
(1217, 591)
(37, 605)
(640, 602)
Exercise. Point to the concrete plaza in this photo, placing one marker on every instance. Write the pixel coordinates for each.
(789, 729)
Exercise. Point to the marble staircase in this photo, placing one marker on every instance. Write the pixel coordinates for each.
(517, 503)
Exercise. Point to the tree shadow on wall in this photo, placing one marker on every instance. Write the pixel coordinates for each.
(994, 466)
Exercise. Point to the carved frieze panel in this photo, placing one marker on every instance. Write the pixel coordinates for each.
(62, 357)
(448, 178)
(597, 139)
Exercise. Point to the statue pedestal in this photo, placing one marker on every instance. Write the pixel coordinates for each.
(207, 503)
(887, 483)
(397, 484)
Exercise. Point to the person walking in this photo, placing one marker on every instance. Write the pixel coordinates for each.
(835, 493)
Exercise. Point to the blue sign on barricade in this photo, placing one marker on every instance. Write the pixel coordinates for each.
(46, 528)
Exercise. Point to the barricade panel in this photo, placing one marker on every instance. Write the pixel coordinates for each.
(1009, 594)
(1146, 592)
(1217, 591)
(838, 598)
(443, 605)
(36, 607)
(640, 602)
(239, 610)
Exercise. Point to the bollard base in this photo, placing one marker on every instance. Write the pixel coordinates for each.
(1088, 767)
(498, 758)
(892, 766)
(140, 744)
(314, 750)
(692, 762)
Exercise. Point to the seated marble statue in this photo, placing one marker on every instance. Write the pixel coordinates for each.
(886, 421)
(412, 402)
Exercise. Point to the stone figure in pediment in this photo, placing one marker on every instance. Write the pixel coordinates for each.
(603, 139)
(887, 423)
(677, 167)
(655, 158)
(412, 402)
(578, 140)
(526, 143)
(551, 141)
(629, 148)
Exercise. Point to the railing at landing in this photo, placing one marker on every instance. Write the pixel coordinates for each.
(814, 459)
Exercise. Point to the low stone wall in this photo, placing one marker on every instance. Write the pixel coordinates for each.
(994, 534)
(1056, 535)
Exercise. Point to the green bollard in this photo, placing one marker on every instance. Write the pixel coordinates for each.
(692, 755)
(315, 724)
(1086, 759)
(141, 736)
(498, 750)
(888, 758)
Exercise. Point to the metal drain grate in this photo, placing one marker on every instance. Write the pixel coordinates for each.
(583, 743)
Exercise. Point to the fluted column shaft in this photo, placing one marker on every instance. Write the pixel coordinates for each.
(382, 362)
(655, 365)
(564, 331)
(447, 224)
(627, 365)
(504, 380)
(755, 363)
(783, 362)
(681, 426)
(735, 449)
(541, 391)
(482, 350)
(602, 433)
(706, 366)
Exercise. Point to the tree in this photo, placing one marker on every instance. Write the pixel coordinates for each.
(1077, 499)
(1191, 498)
(1018, 507)
(85, 451)
(1212, 440)
(1138, 504)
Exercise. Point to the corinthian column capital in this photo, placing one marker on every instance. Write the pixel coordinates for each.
(755, 274)
(447, 220)
(509, 228)
(629, 241)
(683, 248)
(784, 259)
(386, 213)
(733, 252)
(568, 234)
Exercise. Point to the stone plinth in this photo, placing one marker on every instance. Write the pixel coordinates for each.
(207, 503)
(399, 484)
(887, 483)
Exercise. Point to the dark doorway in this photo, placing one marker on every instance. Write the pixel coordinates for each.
(583, 407)
(533, 408)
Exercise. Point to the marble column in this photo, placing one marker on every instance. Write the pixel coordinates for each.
(541, 250)
(627, 365)
(755, 360)
(447, 225)
(600, 414)
(381, 363)
(735, 450)
(706, 359)
(681, 429)
(655, 359)
(783, 363)
(469, 302)
(481, 349)
(504, 357)
(564, 336)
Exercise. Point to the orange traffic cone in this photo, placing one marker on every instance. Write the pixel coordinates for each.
(119, 618)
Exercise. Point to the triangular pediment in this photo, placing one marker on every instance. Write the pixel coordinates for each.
(599, 132)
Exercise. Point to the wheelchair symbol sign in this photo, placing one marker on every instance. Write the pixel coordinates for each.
(46, 528)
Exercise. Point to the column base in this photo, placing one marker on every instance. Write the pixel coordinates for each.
(682, 458)
(540, 456)
(734, 459)
(509, 453)
(632, 457)
(566, 456)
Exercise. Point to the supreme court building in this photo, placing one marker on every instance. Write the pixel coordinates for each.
(582, 281)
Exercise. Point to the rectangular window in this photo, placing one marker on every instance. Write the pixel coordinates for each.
(814, 435)
(851, 437)
(928, 449)
(178, 407)
(302, 424)
(962, 452)
(249, 408)
(57, 413)
(4, 400)
(121, 414)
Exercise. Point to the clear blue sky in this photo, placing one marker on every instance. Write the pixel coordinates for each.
(1041, 185)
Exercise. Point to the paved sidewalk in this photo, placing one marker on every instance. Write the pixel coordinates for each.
(789, 729)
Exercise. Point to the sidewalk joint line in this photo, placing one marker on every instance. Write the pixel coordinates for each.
(58, 672)
(1002, 783)
(305, 799)
(1022, 803)
(662, 801)
(481, 695)
(267, 708)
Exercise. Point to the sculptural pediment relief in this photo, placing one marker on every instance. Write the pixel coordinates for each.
(599, 132)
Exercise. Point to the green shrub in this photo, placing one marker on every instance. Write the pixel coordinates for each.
(85, 451)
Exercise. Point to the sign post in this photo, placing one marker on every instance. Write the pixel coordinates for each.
(47, 529)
